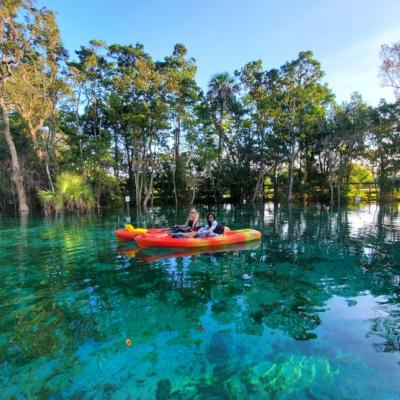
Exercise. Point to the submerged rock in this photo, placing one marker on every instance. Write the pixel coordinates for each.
(163, 389)
(218, 351)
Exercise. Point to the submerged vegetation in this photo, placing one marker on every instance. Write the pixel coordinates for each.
(133, 125)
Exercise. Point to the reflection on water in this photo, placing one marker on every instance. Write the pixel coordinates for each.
(311, 312)
(147, 255)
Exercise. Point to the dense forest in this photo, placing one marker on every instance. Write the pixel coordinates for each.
(82, 131)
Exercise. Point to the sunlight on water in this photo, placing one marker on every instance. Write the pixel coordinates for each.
(310, 312)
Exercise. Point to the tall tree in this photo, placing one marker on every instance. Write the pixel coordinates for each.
(390, 67)
(139, 84)
(47, 37)
(181, 94)
(352, 122)
(303, 100)
(34, 87)
(13, 43)
(89, 75)
(261, 94)
(385, 152)
(221, 96)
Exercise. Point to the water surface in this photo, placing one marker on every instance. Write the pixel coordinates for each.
(310, 312)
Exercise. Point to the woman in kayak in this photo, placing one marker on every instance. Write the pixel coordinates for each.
(213, 228)
(192, 224)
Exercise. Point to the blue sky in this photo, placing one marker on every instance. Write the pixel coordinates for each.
(224, 35)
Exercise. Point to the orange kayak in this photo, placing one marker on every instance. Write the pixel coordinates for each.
(166, 240)
(126, 235)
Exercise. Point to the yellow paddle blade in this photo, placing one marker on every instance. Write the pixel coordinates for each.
(140, 230)
(129, 227)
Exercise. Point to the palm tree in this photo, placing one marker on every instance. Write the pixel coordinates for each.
(71, 194)
(221, 96)
(221, 93)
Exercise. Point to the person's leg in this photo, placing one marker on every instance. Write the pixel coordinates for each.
(178, 235)
(198, 233)
(184, 228)
(202, 233)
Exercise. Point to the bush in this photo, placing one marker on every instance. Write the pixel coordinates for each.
(72, 194)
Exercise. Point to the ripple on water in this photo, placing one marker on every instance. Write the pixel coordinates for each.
(311, 312)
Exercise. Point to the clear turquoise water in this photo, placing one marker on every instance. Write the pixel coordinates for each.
(311, 312)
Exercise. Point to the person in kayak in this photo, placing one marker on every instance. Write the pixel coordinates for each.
(213, 227)
(192, 223)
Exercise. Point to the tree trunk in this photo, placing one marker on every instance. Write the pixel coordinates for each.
(275, 183)
(46, 160)
(138, 189)
(330, 168)
(116, 157)
(129, 158)
(174, 183)
(193, 196)
(177, 174)
(44, 156)
(16, 170)
(383, 181)
(259, 185)
(291, 169)
(148, 190)
(53, 136)
(221, 134)
(339, 187)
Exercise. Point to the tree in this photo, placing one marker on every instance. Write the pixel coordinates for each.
(138, 82)
(352, 123)
(358, 176)
(35, 86)
(385, 151)
(222, 89)
(90, 76)
(221, 96)
(13, 44)
(303, 101)
(390, 67)
(261, 94)
(47, 37)
(71, 194)
(181, 95)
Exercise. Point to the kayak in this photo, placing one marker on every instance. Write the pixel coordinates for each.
(147, 255)
(129, 234)
(166, 240)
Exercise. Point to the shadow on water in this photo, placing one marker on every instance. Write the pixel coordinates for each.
(310, 312)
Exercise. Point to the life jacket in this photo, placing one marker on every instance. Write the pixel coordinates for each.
(219, 230)
(193, 223)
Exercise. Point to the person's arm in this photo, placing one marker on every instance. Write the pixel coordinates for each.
(212, 227)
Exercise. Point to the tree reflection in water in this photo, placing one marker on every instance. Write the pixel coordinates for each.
(315, 304)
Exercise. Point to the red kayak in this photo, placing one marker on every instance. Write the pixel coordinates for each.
(166, 240)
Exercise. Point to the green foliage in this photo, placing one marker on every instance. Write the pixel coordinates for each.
(129, 124)
(72, 194)
(360, 174)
